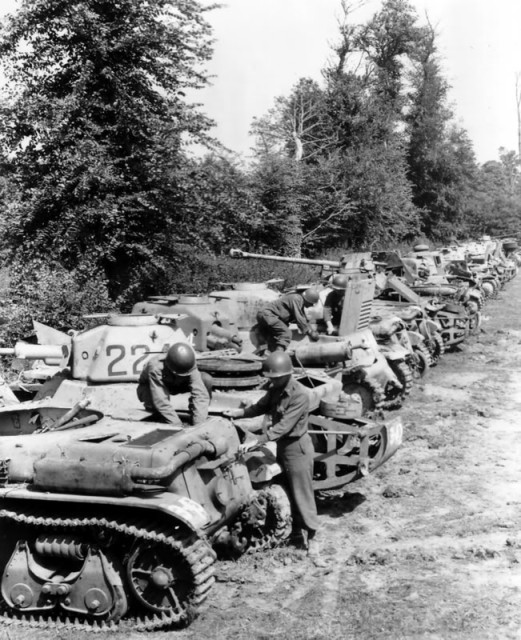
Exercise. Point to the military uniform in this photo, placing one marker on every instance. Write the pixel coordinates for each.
(157, 383)
(333, 307)
(289, 408)
(274, 319)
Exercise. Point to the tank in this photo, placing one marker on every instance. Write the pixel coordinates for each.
(418, 323)
(206, 324)
(394, 336)
(243, 300)
(457, 315)
(352, 355)
(106, 521)
(452, 320)
(120, 520)
(111, 353)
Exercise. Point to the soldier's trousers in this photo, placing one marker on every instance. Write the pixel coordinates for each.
(277, 333)
(296, 458)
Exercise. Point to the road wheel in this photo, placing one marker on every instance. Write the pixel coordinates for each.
(365, 393)
(474, 322)
(421, 361)
(394, 397)
(436, 348)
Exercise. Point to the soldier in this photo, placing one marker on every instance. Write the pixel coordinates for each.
(172, 373)
(287, 404)
(334, 303)
(274, 319)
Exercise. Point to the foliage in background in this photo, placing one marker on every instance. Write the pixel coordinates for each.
(101, 203)
(341, 147)
(53, 295)
(497, 198)
(442, 166)
(92, 129)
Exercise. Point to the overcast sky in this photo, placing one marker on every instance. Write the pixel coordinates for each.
(264, 46)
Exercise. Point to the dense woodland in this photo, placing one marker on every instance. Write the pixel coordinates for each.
(103, 200)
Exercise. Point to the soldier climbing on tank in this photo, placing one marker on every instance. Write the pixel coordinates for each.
(172, 373)
(287, 404)
(334, 304)
(274, 319)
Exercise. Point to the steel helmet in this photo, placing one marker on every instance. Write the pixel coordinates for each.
(310, 296)
(180, 359)
(339, 282)
(276, 365)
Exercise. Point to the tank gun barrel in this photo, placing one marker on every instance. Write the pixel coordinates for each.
(26, 351)
(239, 253)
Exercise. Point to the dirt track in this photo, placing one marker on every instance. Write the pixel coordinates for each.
(427, 547)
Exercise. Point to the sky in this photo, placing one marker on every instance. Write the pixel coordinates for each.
(263, 47)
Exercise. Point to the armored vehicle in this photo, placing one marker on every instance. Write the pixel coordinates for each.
(206, 325)
(106, 520)
(454, 320)
(353, 355)
(114, 520)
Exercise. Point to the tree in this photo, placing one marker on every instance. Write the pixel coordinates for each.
(295, 125)
(440, 157)
(92, 129)
(518, 105)
(497, 198)
(350, 184)
(388, 40)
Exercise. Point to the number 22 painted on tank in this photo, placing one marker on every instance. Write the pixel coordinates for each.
(119, 353)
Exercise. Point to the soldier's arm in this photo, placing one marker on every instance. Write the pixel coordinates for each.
(300, 316)
(199, 398)
(298, 406)
(328, 310)
(161, 398)
(259, 408)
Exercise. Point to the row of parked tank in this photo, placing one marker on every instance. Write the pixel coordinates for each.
(107, 517)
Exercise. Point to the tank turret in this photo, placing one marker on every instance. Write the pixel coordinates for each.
(242, 300)
(204, 322)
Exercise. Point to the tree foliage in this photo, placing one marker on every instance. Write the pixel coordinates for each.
(97, 179)
(92, 128)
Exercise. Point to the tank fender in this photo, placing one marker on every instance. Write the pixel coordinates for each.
(179, 508)
(393, 438)
(473, 293)
(396, 352)
(415, 338)
(432, 326)
(262, 464)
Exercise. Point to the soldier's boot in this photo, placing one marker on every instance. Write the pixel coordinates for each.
(314, 553)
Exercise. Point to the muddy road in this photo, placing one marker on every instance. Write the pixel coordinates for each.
(427, 547)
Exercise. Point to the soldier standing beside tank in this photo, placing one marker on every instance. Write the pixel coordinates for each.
(172, 373)
(287, 404)
(334, 303)
(274, 319)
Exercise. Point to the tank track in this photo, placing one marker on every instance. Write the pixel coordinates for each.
(436, 348)
(264, 523)
(423, 349)
(403, 373)
(196, 551)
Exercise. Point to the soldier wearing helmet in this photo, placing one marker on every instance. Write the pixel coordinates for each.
(172, 373)
(287, 405)
(274, 319)
(334, 303)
